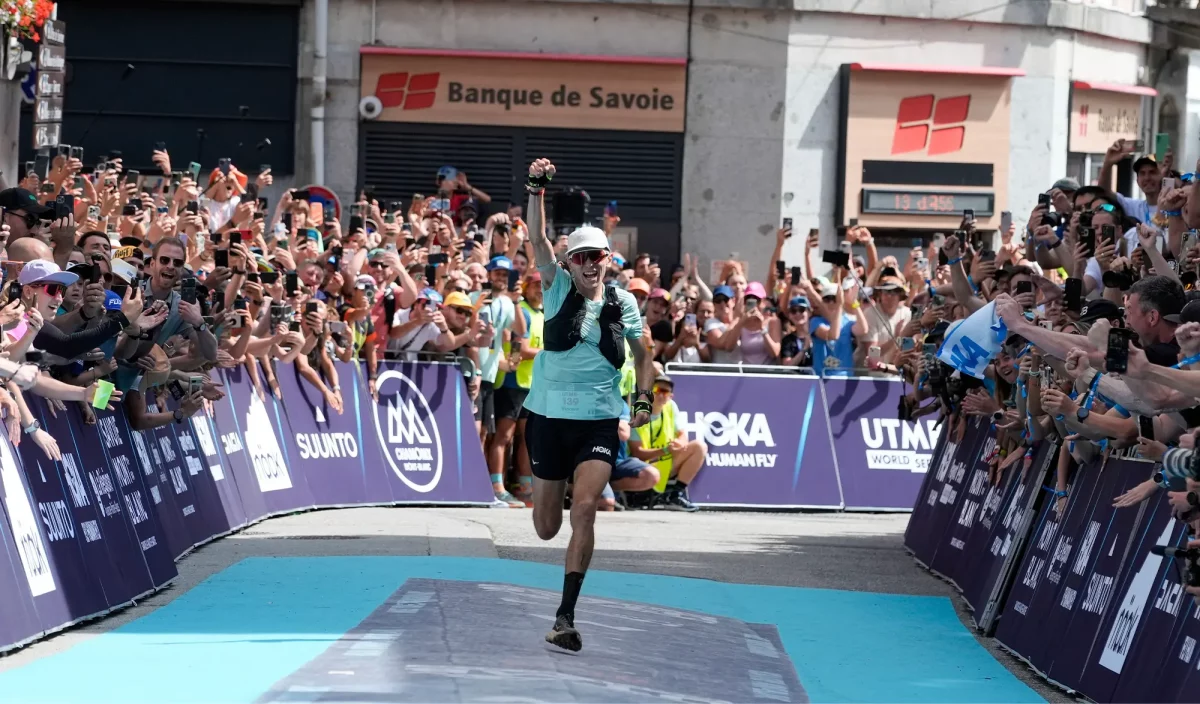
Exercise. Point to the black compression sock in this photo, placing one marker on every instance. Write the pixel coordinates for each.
(572, 584)
(679, 484)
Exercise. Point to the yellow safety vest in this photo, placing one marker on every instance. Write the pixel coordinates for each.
(628, 372)
(537, 320)
(657, 435)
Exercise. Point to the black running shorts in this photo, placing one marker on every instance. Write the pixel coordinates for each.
(558, 445)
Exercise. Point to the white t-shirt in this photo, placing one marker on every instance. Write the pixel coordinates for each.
(415, 340)
(878, 327)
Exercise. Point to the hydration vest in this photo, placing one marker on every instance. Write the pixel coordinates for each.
(564, 331)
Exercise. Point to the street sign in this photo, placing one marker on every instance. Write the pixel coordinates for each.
(48, 110)
(52, 58)
(49, 84)
(47, 135)
(54, 32)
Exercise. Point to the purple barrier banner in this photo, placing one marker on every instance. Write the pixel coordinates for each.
(424, 429)
(325, 446)
(18, 620)
(926, 532)
(1091, 608)
(74, 590)
(768, 439)
(146, 532)
(881, 460)
(1002, 528)
(104, 525)
(250, 440)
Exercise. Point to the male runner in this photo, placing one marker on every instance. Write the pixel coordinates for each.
(575, 400)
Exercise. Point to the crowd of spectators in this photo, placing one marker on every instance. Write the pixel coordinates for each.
(1097, 318)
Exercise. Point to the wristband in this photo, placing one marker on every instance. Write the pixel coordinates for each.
(1188, 361)
(1171, 213)
(642, 405)
(952, 262)
(537, 184)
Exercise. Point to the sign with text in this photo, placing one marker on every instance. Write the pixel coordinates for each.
(920, 146)
(48, 110)
(585, 93)
(51, 72)
(1101, 117)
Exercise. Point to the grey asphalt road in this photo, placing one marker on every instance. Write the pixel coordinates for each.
(857, 552)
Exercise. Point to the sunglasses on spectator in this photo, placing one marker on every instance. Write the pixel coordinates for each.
(461, 311)
(829, 299)
(378, 265)
(1105, 207)
(720, 299)
(663, 389)
(52, 289)
(168, 261)
(30, 219)
(591, 255)
(797, 309)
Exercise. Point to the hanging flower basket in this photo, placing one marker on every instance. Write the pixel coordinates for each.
(24, 18)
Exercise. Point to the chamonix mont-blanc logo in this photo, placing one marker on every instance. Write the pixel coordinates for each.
(408, 432)
(263, 448)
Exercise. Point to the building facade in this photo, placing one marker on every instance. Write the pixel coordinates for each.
(708, 121)
(776, 109)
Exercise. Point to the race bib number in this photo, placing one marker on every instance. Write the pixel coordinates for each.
(573, 401)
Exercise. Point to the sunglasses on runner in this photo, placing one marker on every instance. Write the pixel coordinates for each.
(168, 261)
(588, 256)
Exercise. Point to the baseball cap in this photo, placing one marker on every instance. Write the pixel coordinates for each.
(130, 241)
(1066, 184)
(799, 302)
(825, 287)
(586, 238)
(660, 293)
(639, 285)
(458, 299)
(429, 295)
(1144, 160)
(500, 262)
(447, 172)
(364, 281)
(42, 270)
(124, 270)
(664, 379)
(755, 290)
(112, 301)
(723, 291)
(1100, 309)
(469, 204)
(1189, 314)
(21, 199)
(890, 283)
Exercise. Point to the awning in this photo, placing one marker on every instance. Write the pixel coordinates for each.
(1115, 88)
(526, 55)
(1000, 71)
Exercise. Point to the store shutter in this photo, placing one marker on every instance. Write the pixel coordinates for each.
(197, 65)
(642, 171)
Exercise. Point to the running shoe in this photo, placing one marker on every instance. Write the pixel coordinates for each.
(564, 635)
(677, 500)
(505, 497)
